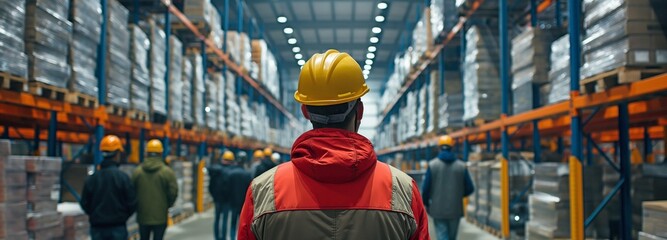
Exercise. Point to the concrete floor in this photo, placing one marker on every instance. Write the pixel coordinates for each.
(200, 226)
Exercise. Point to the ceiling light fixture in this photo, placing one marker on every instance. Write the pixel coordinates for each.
(366, 72)
(282, 19)
(368, 67)
(298, 56)
(288, 30)
(379, 18)
(296, 49)
(382, 5)
(301, 62)
(374, 39)
(369, 62)
(370, 55)
(372, 49)
(291, 41)
(365, 77)
(376, 30)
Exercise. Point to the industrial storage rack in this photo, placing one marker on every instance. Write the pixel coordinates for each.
(632, 112)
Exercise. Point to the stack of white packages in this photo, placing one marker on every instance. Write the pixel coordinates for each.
(175, 79)
(267, 66)
(444, 16)
(422, 39)
(233, 114)
(12, 28)
(234, 46)
(220, 100)
(451, 102)
(47, 37)
(481, 87)
(86, 17)
(245, 51)
(433, 91)
(212, 107)
(421, 110)
(247, 116)
(140, 80)
(158, 68)
(559, 75)
(622, 33)
(118, 66)
(187, 78)
(198, 88)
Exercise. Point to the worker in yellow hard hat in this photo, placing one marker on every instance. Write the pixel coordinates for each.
(446, 183)
(262, 162)
(108, 196)
(157, 190)
(329, 160)
(268, 151)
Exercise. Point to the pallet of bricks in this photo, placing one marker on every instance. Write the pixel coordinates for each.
(549, 204)
(75, 221)
(13, 61)
(623, 43)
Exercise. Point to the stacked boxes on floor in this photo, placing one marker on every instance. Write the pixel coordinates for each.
(559, 74)
(621, 33)
(519, 179)
(44, 221)
(118, 66)
(654, 220)
(198, 88)
(75, 221)
(175, 81)
(550, 205)
(481, 87)
(157, 68)
(473, 202)
(13, 205)
(140, 80)
(177, 167)
(212, 96)
(484, 191)
(233, 110)
(188, 187)
(47, 37)
(12, 28)
(86, 17)
(530, 65)
(187, 96)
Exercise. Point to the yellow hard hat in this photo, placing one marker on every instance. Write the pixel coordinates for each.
(154, 146)
(228, 156)
(445, 141)
(268, 151)
(258, 154)
(330, 78)
(111, 143)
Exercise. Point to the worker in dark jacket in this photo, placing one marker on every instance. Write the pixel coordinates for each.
(262, 163)
(236, 181)
(219, 189)
(157, 190)
(108, 196)
(446, 183)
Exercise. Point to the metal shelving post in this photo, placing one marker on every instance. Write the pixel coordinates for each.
(537, 147)
(505, 94)
(167, 60)
(52, 142)
(101, 82)
(576, 183)
(624, 145)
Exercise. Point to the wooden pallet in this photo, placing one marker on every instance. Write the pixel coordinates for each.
(493, 231)
(47, 91)
(13, 82)
(202, 26)
(81, 99)
(139, 115)
(115, 110)
(619, 76)
(476, 122)
(177, 124)
(189, 126)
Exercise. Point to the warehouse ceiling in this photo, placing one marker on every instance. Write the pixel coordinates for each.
(345, 25)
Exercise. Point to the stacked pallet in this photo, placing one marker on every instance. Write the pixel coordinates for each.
(530, 67)
(43, 175)
(212, 96)
(520, 176)
(118, 66)
(13, 60)
(473, 202)
(175, 81)
(483, 188)
(233, 111)
(198, 88)
(246, 116)
(451, 101)
(47, 37)
(86, 17)
(444, 16)
(220, 100)
(75, 221)
(267, 66)
(481, 87)
(157, 68)
(187, 77)
(13, 205)
(422, 37)
(622, 33)
(654, 219)
(559, 74)
(139, 80)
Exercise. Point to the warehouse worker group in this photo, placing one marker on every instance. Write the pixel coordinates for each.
(333, 187)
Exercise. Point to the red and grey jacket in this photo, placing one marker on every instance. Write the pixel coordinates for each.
(334, 188)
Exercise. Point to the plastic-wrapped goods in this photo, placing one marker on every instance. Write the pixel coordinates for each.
(444, 16)
(157, 68)
(233, 111)
(13, 220)
(559, 75)
(75, 221)
(480, 75)
(484, 191)
(12, 28)
(451, 102)
(247, 116)
(422, 38)
(245, 51)
(118, 66)
(211, 103)
(527, 97)
(175, 81)
(234, 46)
(198, 87)
(622, 33)
(520, 175)
(140, 80)
(268, 67)
(219, 100)
(198, 10)
(47, 37)
(86, 17)
(530, 56)
(187, 77)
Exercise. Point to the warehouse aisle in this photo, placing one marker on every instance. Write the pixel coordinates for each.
(200, 227)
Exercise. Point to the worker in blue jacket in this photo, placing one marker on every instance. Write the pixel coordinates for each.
(446, 183)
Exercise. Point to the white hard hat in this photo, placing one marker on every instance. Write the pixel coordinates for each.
(275, 156)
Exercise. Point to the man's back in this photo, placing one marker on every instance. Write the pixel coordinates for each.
(108, 197)
(447, 188)
(156, 190)
(239, 181)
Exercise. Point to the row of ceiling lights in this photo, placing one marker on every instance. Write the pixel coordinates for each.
(374, 40)
(291, 40)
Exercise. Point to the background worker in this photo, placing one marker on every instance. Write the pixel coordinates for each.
(275, 157)
(108, 196)
(446, 183)
(262, 163)
(157, 190)
(334, 187)
(216, 173)
(237, 180)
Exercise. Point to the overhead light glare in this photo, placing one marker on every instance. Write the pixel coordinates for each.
(365, 76)
(369, 62)
(370, 55)
(375, 39)
(296, 49)
(367, 67)
(288, 30)
(291, 41)
(366, 72)
(282, 19)
(207, 109)
(301, 62)
(379, 18)
(298, 56)
(376, 30)
(382, 5)
(372, 49)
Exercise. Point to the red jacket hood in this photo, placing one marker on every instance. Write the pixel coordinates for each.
(333, 155)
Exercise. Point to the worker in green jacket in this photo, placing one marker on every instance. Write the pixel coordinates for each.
(156, 189)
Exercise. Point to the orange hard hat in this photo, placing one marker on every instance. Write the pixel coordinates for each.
(258, 154)
(446, 140)
(111, 143)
